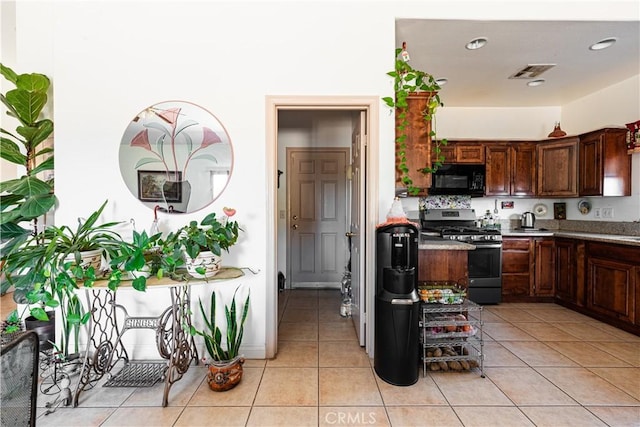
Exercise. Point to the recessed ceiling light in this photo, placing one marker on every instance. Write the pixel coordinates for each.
(476, 43)
(603, 44)
(441, 82)
(537, 82)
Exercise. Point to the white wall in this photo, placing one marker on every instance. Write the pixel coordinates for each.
(615, 105)
(109, 60)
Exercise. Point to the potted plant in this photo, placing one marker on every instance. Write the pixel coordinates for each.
(138, 259)
(225, 366)
(408, 81)
(27, 198)
(204, 242)
(48, 268)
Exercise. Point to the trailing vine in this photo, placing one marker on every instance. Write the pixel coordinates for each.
(408, 80)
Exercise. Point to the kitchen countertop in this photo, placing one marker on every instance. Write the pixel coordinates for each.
(597, 237)
(440, 244)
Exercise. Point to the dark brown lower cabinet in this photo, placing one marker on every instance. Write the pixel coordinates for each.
(443, 265)
(544, 281)
(612, 273)
(517, 267)
(528, 269)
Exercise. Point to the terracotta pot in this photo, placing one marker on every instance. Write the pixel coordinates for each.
(225, 375)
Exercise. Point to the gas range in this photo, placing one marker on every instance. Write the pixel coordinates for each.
(470, 234)
(484, 262)
(456, 224)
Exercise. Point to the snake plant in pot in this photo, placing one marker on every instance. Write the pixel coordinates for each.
(223, 346)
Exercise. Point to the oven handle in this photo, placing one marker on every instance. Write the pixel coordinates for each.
(488, 246)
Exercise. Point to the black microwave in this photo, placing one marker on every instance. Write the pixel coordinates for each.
(457, 179)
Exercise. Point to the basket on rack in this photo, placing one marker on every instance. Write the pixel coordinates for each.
(441, 292)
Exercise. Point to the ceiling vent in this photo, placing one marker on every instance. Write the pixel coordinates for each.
(531, 71)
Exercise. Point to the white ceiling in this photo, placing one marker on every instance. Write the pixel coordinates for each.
(480, 77)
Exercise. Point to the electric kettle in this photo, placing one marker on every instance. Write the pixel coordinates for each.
(528, 220)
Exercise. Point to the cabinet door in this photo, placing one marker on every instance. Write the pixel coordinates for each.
(498, 175)
(517, 266)
(557, 168)
(418, 151)
(461, 152)
(470, 153)
(448, 152)
(590, 174)
(523, 169)
(443, 265)
(611, 280)
(605, 165)
(611, 288)
(566, 270)
(545, 271)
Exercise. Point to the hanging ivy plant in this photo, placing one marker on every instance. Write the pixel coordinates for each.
(408, 80)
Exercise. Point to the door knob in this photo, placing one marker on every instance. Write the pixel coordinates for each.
(295, 217)
(349, 234)
(294, 226)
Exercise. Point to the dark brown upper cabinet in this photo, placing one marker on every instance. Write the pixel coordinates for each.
(511, 169)
(558, 167)
(605, 165)
(471, 152)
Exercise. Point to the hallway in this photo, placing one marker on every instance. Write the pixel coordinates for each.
(545, 366)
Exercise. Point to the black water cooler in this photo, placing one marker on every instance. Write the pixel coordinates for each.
(397, 307)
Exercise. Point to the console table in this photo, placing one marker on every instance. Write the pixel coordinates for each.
(175, 346)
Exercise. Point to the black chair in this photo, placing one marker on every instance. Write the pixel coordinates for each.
(19, 377)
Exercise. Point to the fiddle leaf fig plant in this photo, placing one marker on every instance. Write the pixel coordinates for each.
(407, 80)
(27, 198)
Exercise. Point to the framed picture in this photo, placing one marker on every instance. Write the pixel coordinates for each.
(560, 211)
(151, 186)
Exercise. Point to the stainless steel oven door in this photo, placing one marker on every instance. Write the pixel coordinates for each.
(485, 273)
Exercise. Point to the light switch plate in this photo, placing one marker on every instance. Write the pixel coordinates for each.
(596, 213)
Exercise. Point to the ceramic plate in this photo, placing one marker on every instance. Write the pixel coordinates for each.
(540, 209)
(584, 207)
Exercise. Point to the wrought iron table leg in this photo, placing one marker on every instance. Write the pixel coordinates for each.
(100, 354)
(183, 348)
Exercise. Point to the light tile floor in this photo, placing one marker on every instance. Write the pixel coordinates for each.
(545, 365)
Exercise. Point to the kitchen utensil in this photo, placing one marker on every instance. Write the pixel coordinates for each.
(495, 206)
(528, 220)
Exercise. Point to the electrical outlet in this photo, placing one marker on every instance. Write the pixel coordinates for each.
(596, 213)
(607, 212)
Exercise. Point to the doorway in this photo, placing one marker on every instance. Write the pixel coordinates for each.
(355, 107)
(316, 212)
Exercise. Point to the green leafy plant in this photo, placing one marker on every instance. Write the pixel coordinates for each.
(27, 198)
(47, 266)
(408, 80)
(139, 256)
(235, 317)
(210, 234)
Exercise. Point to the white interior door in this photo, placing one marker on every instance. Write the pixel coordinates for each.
(358, 191)
(317, 219)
